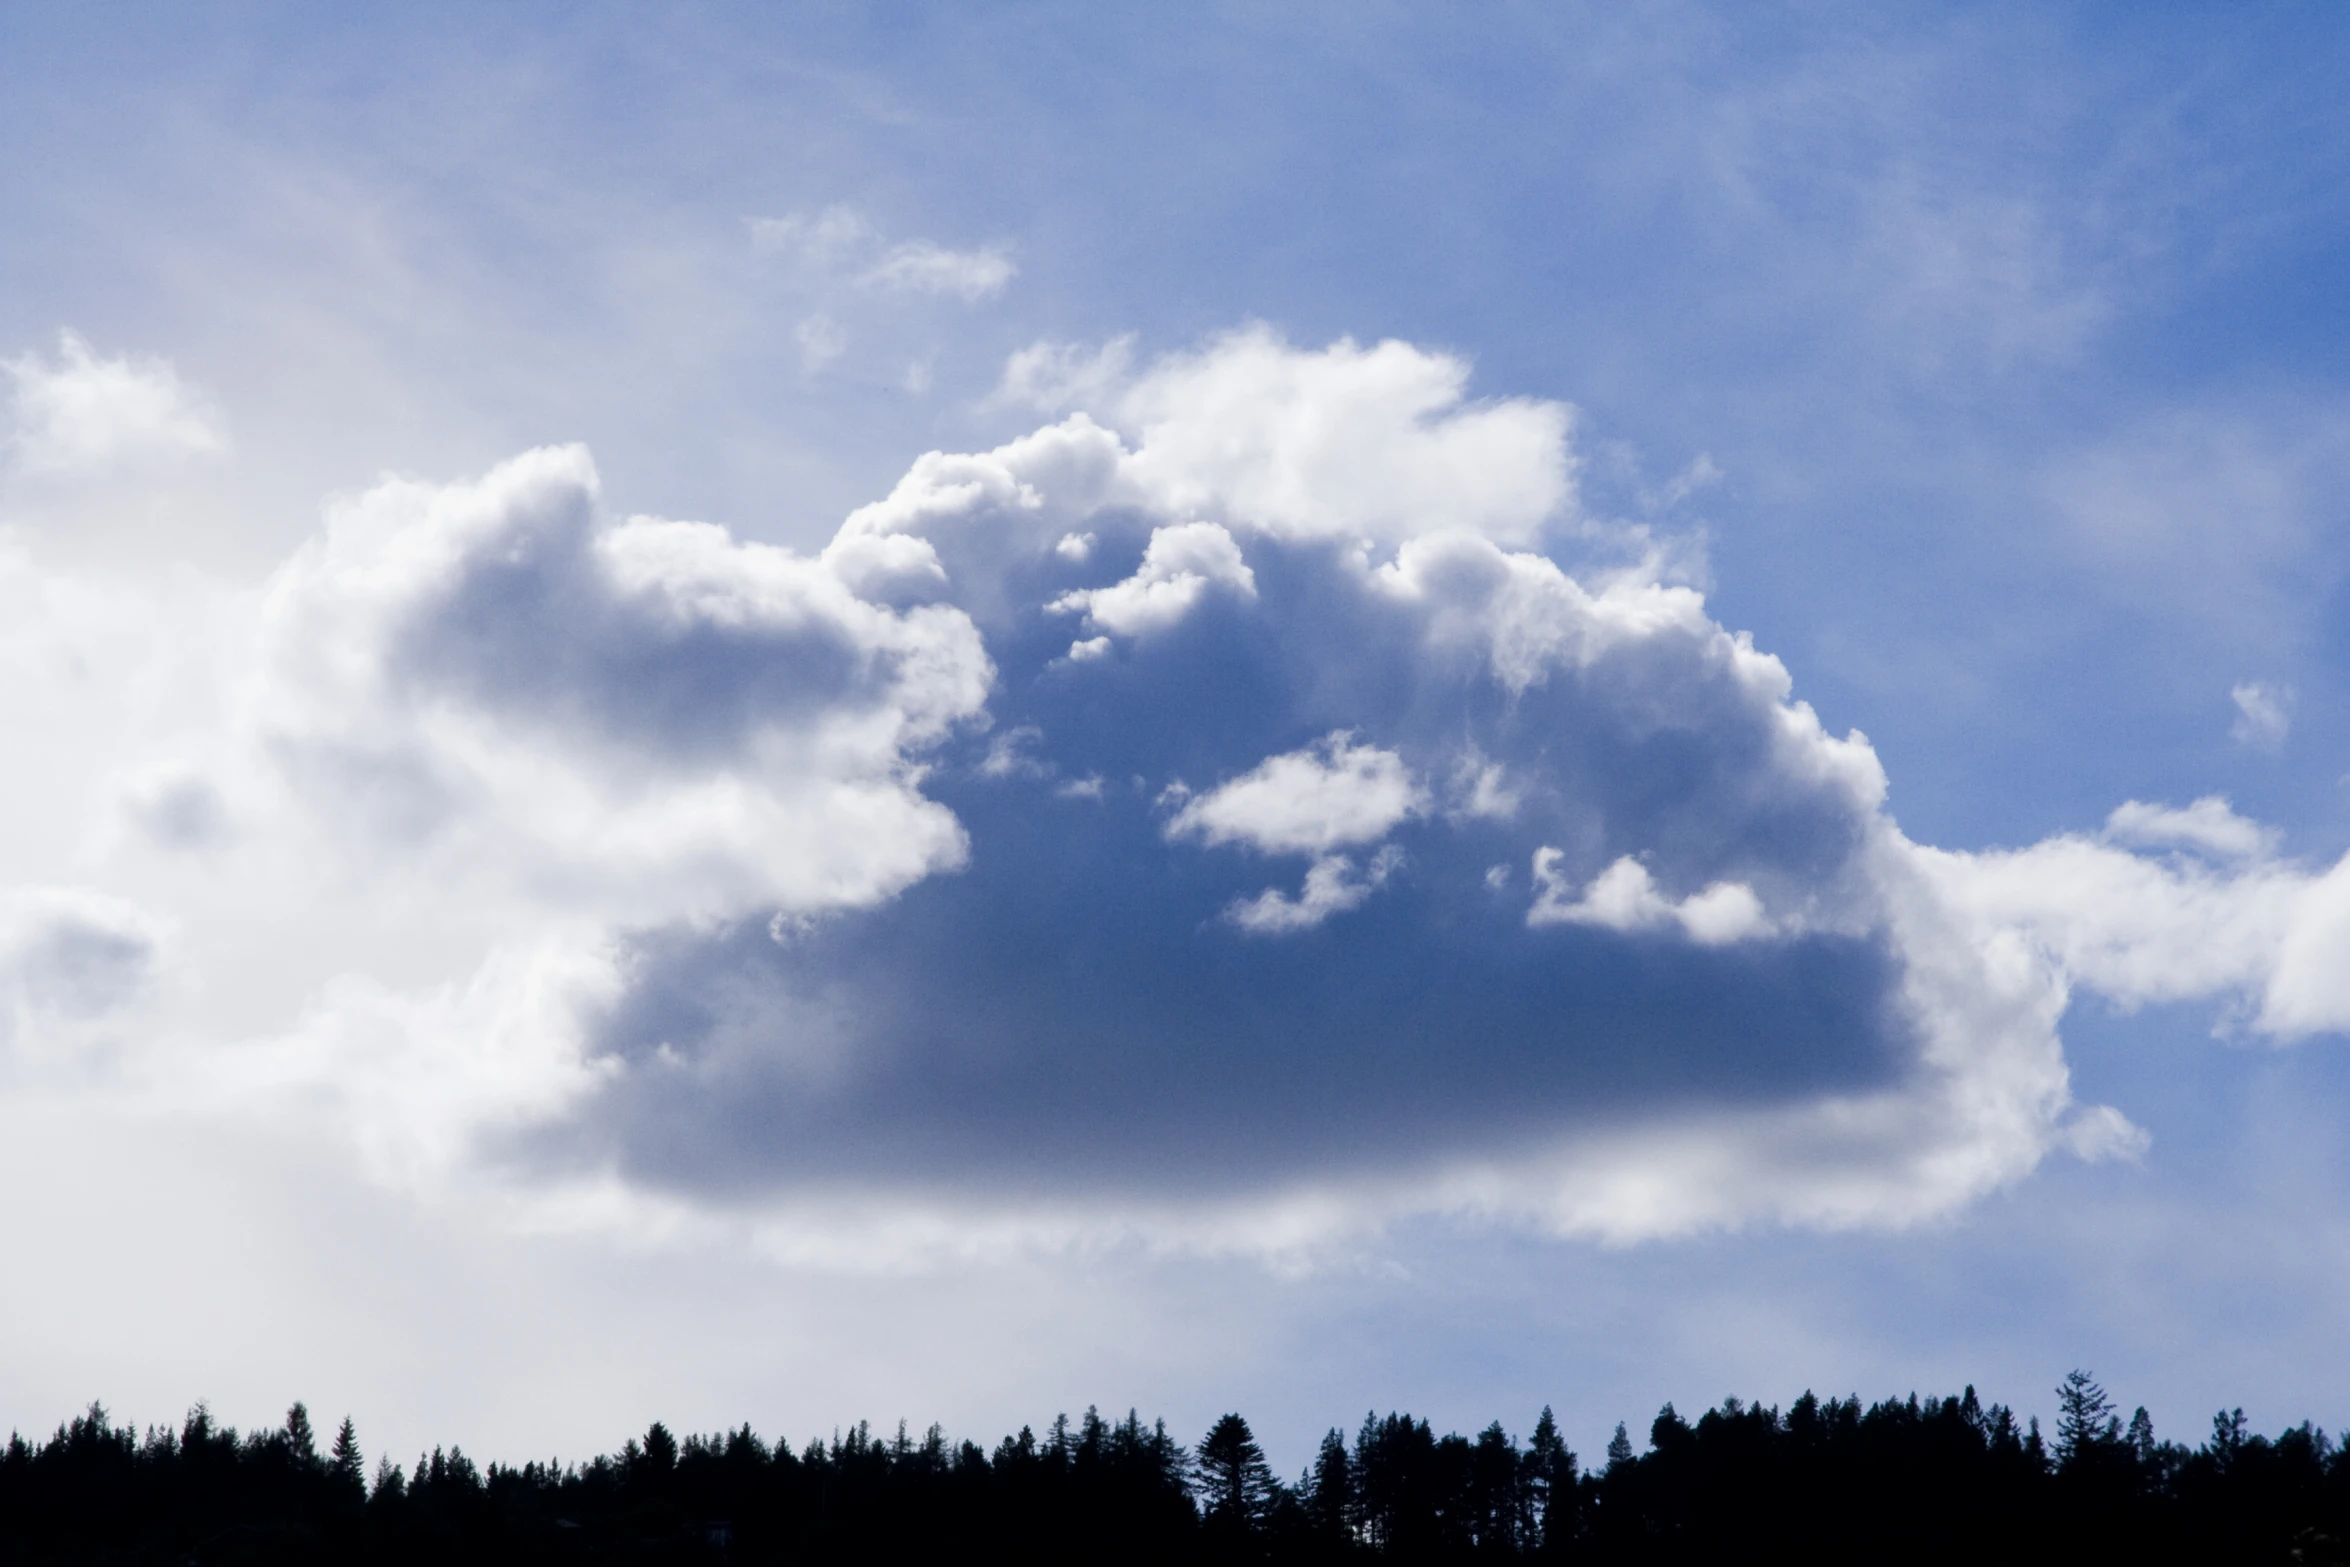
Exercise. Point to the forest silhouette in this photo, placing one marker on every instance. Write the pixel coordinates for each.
(1932, 1480)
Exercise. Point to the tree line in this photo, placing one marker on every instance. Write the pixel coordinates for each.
(1931, 1480)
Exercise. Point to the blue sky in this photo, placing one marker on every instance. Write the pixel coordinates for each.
(574, 874)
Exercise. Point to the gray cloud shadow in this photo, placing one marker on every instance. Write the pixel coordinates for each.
(1070, 1014)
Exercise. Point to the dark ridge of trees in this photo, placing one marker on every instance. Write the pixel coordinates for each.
(1832, 1481)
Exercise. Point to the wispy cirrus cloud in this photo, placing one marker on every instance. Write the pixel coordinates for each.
(843, 267)
(2264, 713)
(841, 244)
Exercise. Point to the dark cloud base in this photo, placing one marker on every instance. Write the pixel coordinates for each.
(1070, 1013)
(1121, 1037)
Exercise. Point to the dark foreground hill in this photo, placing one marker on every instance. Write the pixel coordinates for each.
(1933, 1480)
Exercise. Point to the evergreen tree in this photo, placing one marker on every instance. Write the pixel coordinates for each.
(1330, 1491)
(1550, 1484)
(1234, 1479)
(345, 1462)
(1498, 1514)
(2140, 1437)
(301, 1442)
(2228, 1436)
(2086, 1425)
(1399, 1481)
(196, 1431)
(1619, 1447)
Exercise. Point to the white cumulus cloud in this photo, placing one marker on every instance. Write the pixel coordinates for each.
(81, 413)
(1351, 442)
(536, 846)
(636, 715)
(1180, 565)
(1625, 897)
(2207, 826)
(1329, 796)
(1333, 885)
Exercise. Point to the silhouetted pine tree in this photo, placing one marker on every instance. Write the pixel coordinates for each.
(1495, 1515)
(1331, 1509)
(346, 1463)
(301, 1442)
(2086, 1426)
(1550, 1488)
(1236, 1485)
(1396, 1486)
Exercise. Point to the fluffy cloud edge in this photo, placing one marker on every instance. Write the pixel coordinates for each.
(83, 415)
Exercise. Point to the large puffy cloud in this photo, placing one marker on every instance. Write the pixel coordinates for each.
(1259, 805)
(1597, 923)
